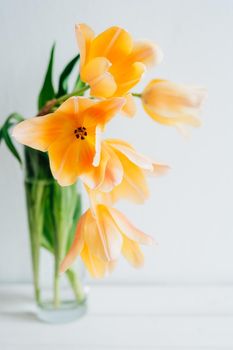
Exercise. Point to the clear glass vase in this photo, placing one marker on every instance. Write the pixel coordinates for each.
(53, 212)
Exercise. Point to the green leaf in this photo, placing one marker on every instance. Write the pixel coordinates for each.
(63, 81)
(79, 84)
(12, 120)
(47, 92)
(10, 145)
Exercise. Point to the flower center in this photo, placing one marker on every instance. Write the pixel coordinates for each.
(81, 132)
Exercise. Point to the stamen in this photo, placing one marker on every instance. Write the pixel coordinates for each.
(80, 132)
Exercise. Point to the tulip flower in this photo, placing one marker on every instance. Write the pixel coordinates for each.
(103, 234)
(173, 104)
(111, 63)
(122, 173)
(71, 135)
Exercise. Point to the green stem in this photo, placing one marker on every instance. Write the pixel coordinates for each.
(34, 201)
(56, 296)
(76, 285)
(137, 94)
(74, 93)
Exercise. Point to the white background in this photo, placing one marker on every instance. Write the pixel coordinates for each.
(190, 210)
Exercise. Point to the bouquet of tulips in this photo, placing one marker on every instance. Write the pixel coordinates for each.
(65, 142)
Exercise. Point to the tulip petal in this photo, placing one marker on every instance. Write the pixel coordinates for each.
(128, 229)
(158, 169)
(103, 111)
(104, 86)
(69, 158)
(95, 73)
(132, 252)
(114, 43)
(96, 267)
(128, 151)
(146, 52)
(128, 77)
(129, 108)
(85, 35)
(172, 104)
(76, 246)
(133, 186)
(40, 132)
(113, 171)
(102, 235)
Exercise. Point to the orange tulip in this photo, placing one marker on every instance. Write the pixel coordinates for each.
(122, 173)
(101, 236)
(111, 63)
(172, 104)
(71, 135)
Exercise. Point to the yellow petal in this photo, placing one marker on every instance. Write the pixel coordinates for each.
(114, 43)
(129, 108)
(132, 252)
(76, 246)
(128, 229)
(85, 35)
(102, 235)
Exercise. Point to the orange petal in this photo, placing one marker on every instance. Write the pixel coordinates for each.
(128, 77)
(76, 246)
(132, 252)
(95, 177)
(133, 186)
(114, 44)
(113, 174)
(127, 150)
(85, 35)
(69, 158)
(129, 108)
(104, 86)
(128, 229)
(102, 112)
(172, 104)
(96, 267)
(63, 157)
(95, 73)
(145, 52)
(40, 132)
(102, 235)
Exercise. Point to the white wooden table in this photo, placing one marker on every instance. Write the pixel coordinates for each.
(148, 317)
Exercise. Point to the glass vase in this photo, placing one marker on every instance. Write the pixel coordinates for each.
(53, 212)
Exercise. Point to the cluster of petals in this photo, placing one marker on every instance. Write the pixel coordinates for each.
(111, 63)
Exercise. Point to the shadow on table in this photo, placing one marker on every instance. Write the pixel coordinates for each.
(15, 305)
(23, 316)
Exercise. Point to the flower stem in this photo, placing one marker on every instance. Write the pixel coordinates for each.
(76, 285)
(74, 93)
(137, 94)
(56, 101)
